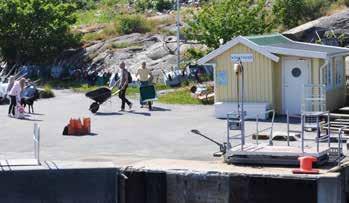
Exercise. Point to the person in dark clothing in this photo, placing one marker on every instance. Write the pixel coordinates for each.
(123, 84)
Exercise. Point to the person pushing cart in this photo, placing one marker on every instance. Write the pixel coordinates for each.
(147, 89)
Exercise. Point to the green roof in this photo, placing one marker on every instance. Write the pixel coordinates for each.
(264, 40)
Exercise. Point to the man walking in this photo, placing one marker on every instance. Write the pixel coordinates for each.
(123, 84)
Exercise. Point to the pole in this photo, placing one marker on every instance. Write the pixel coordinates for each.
(178, 35)
(242, 105)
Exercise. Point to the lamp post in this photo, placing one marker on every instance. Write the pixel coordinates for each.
(178, 35)
(239, 70)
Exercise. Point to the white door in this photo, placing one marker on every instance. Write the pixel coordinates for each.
(296, 75)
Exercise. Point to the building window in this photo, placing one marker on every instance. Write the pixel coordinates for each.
(339, 73)
(329, 71)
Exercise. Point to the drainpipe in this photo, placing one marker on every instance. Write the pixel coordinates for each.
(321, 68)
(321, 77)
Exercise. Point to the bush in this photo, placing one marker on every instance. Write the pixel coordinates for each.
(82, 4)
(46, 92)
(159, 5)
(128, 24)
(194, 54)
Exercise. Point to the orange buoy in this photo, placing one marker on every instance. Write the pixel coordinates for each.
(71, 130)
(306, 165)
(87, 125)
(78, 126)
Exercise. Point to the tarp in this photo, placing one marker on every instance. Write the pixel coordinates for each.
(148, 93)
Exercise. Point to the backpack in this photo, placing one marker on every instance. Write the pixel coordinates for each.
(129, 77)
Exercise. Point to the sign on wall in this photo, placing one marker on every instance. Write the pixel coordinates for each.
(242, 57)
(222, 78)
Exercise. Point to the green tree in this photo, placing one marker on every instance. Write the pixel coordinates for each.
(35, 31)
(225, 19)
(289, 13)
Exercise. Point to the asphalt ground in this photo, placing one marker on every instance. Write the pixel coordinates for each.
(121, 137)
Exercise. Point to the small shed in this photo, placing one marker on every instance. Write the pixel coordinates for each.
(276, 69)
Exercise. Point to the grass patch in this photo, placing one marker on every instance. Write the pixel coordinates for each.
(97, 16)
(46, 92)
(84, 88)
(181, 96)
(60, 84)
(127, 24)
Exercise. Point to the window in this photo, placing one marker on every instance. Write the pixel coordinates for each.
(296, 72)
(339, 73)
(328, 74)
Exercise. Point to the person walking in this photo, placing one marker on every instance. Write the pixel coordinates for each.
(123, 84)
(15, 94)
(11, 82)
(145, 77)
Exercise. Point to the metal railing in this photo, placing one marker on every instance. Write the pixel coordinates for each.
(265, 129)
(318, 137)
(234, 118)
(303, 117)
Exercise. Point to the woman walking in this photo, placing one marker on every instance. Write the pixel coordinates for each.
(15, 94)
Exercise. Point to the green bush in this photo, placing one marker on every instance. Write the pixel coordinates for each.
(194, 54)
(82, 4)
(128, 24)
(159, 5)
(46, 92)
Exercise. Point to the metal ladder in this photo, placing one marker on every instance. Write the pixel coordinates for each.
(335, 154)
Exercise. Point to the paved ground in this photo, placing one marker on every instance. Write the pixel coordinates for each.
(119, 137)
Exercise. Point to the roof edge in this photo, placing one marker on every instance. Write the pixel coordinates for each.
(232, 43)
(296, 52)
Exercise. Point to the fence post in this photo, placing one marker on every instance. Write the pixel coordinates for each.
(36, 138)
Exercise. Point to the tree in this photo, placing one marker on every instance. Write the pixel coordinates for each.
(35, 31)
(288, 12)
(225, 19)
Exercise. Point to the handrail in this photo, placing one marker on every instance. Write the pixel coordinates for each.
(265, 129)
(340, 146)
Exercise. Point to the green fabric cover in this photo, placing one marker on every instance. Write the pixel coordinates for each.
(148, 93)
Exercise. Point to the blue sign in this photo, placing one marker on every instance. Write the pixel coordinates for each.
(242, 58)
(222, 78)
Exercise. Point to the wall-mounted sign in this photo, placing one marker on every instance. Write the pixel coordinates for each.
(242, 57)
(222, 78)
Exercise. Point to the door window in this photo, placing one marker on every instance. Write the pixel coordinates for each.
(296, 72)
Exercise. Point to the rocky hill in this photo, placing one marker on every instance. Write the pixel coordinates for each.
(158, 51)
(331, 30)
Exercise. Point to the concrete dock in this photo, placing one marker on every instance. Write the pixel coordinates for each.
(168, 181)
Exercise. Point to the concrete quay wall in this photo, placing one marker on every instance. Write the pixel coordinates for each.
(188, 187)
(168, 182)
